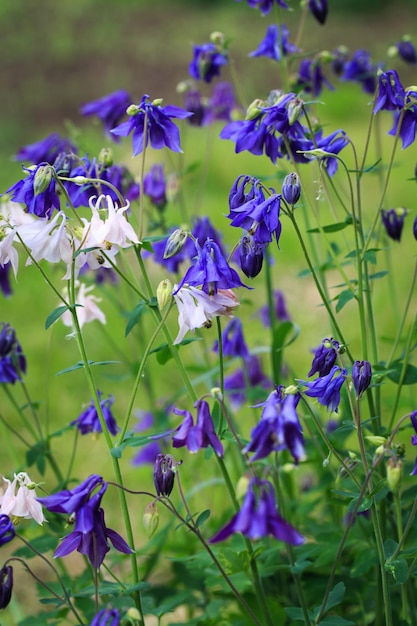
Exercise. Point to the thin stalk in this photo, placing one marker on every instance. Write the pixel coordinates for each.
(402, 323)
(142, 175)
(400, 533)
(407, 352)
(221, 369)
(271, 312)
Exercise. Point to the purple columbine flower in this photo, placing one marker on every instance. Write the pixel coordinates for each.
(291, 189)
(360, 69)
(107, 617)
(251, 256)
(311, 78)
(275, 43)
(413, 418)
(233, 341)
(221, 103)
(110, 109)
(90, 535)
(45, 150)
(6, 585)
(409, 119)
(195, 104)
(327, 388)
(361, 376)
(246, 381)
(200, 435)
(207, 62)
(164, 474)
(211, 270)
(278, 429)
(154, 186)
(391, 93)
(5, 285)
(280, 310)
(161, 131)
(415, 228)
(407, 51)
(37, 191)
(12, 359)
(265, 5)
(324, 357)
(7, 531)
(89, 421)
(393, 221)
(319, 9)
(340, 57)
(259, 517)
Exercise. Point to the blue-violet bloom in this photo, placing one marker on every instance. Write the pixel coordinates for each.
(154, 186)
(409, 119)
(200, 435)
(327, 388)
(107, 617)
(7, 531)
(361, 69)
(160, 131)
(37, 191)
(233, 341)
(393, 220)
(280, 310)
(207, 62)
(275, 43)
(361, 376)
(324, 357)
(12, 359)
(391, 93)
(5, 284)
(110, 109)
(247, 383)
(265, 5)
(89, 421)
(46, 149)
(407, 51)
(319, 9)
(6, 585)
(259, 517)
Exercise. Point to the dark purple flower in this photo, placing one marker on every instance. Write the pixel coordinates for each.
(200, 435)
(221, 103)
(391, 94)
(12, 360)
(242, 382)
(360, 69)
(409, 119)
(164, 474)
(324, 357)
(415, 228)
(5, 285)
(311, 78)
(407, 51)
(161, 131)
(265, 5)
(275, 43)
(280, 309)
(393, 221)
(211, 270)
(37, 191)
(251, 256)
(89, 421)
(154, 186)
(259, 517)
(278, 429)
(413, 418)
(107, 617)
(6, 585)
(319, 9)
(233, 341)
(7, 531)
(207, 62)
(195, 104)
(361, 376)
(109, 109)
(339, 57)
(291, 189)
(327, 388)
(45, 150)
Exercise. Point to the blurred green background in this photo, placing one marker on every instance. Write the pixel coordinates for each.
(55, 56)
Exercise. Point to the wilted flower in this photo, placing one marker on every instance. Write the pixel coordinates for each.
(207, 61)
(200, 435)
(160, 131)
(12, 359)
(393, 221)
(275, 43)
(6, 585)
(164, 474)
(259, 517)
(107, 617)
(361, 376)
(327, 388)
(109, 109)
(89, 421)
(19, 499)
(7, 531)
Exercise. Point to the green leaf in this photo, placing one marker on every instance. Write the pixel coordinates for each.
(335, 620)
(233, 562)
(203, 517)
(377, 275)
(42, 544)
(343, 298)
(56, 314)
(296, 614)
(135, 316)
(410, 377)
(80, 365)
(398, 570)
(335, 597)
(333, 228)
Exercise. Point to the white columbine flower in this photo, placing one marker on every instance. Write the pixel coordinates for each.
(196, 308)
(47, 239)
(19, 499)
(88, 309)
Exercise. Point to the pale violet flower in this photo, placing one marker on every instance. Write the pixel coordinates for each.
(197, 308)
(19, 499)
(87, 309)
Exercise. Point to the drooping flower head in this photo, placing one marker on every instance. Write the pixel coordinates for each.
(164, 474)
(221, 104)
(393, 221)
(247, 382)
(6, 585)
(279, 428)
(361, 376)
(199, 435)
(251, 255)
(12, 359)
(37, 191)
(259, 517)
(391, 94)
(327, 388)
(233, 341)
(89, 422)
(406, 50)
(275, 44)
(324, 357)
(7, 531)
(360, 69)
(407, 119)
(154, 186)
(19, 499)
(280, 309)
(160, 131)
(90, 535)
(45, 150)
(207, 61)
(319, 9)
(311, 78)
(265, 5)
(107, 617)
(110, 109)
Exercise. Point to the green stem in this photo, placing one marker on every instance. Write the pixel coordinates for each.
(408, 347)
(221, 370)
(400, 534)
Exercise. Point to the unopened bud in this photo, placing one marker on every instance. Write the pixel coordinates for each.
(133, 614)
(376, 440)
(132, 109)
(157, 102)
(106, 157)
(295, 108)
(151, 519)
(218, 38)
(42, 179)
(63, 164)
(164, 474)
(175, 243)
(163, 293)
(216, 393)
(393, 474)
(242, 487)
(254, 109)
(291, 188)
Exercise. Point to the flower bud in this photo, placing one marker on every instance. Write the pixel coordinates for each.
(157, 102)
(295, 108)
(291, 188)
(361, 376)
(242, 487)
(376, 440)
(42, 179)
(63, 164)
(175, 243)
(251, 256)
(415, 228)
(6, 585)
(133, 614)
(105, 158)
(151, 519)
(218, 38)
(132, 109)
(393, 474)
(164, 474)
(216, 393)
(254, 109)
(163, 293)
